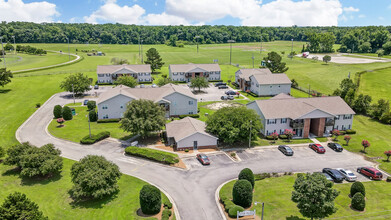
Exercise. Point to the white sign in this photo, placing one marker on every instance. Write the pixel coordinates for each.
(245, 213)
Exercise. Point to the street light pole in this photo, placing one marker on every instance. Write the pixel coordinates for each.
(197, 41)
(292, 50)
(69, 52)
(139, 48)
(89, 122)
(142, 56)
(249, 140)
(263, 205)
(14, 45)
(230, 51)
(253, 60)
(2, 49)
(260, 50)
(73, 94)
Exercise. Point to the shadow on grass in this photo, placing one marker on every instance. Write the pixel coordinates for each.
(4, 91)
(362, 151)
(12, 172)
(294, 218)
(26, 181)
(93, 203)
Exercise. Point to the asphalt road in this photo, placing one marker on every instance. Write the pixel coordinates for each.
(193, 190)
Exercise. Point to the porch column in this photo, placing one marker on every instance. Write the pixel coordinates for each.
(306, 129)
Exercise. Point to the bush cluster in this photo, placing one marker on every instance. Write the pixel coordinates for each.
(350, 131)
(95, 138)
(191, 115)
(91, 105)
(110, 120)
(261, 176)
(67, 113)
(151, 154)
(233, 211)
(358, 202)
(166, 214)
(282, 136)
(247, 174)
(167, 204)
(357, 187)
(227, 203)
(150, 200)
(242, 193)
(57, 111)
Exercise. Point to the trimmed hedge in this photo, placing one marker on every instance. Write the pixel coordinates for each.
(342, 132)
(270, 138)
(242, 193)
(358, 202)
(357, 187)
(152, 154)
(191, 115)
(150, 200)
(233, 211)
(67, 113)
(57, 111)
(350, 131)
(93, 116)
(95, 138)
(215, 80)
(110, 120)
(167, 204)
(166, 214)
(247, 174)
(283, 136)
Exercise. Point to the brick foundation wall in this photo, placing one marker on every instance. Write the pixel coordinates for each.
(306, 129)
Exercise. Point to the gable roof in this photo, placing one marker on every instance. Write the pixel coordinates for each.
(210, 67)
(294, 108)
(149, 93)
(246, 73)
(136, 68)
(185, 127)
(271, 79)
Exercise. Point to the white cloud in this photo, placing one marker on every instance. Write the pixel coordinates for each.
(17, 10)
(350, 9)
(253, 13)
(164, 19)
(112, 12)
(362, 16)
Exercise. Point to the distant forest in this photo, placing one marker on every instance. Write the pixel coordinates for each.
(356, 39)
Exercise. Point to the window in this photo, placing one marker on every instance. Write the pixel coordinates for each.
(271, 121)
(190, 113)
(349, 127)
(271, 86)
(337, 117)
(106, 116)
(140, 80)
(121, 106)
(347, 117)
(101, 75)
(182, 73)
(257, 85)
(190, 102)
(175, 73)
(284, 120)
(104, 107)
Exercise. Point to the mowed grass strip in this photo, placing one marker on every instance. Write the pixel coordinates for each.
(376, 84)
(54, 200)
(276, 193)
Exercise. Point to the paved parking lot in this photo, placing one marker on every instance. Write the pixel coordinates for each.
(211, 93)
(217, 160)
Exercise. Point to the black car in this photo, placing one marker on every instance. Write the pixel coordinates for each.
(85, 102)
(285, 150)
(223, 87)
(230, 92)
(335, 146)
(220, 84)
(335, 174)
(96, 87)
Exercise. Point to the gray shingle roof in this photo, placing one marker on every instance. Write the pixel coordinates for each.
(185, 127)
(271, 79)
(210, 67)
(246, 73)
(137, 68)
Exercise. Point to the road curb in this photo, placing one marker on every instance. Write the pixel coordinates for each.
(222, 213)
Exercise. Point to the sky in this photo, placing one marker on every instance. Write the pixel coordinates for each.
(201, 12)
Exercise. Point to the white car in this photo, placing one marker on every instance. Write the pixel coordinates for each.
(348, 175)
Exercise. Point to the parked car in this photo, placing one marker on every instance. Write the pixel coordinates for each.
(85, 102)
(349, 175)
(230, 92)
(335, 146)
(370, 172)
(335, 174)
(328, 177)
(142, 86)
(220, 84)
(285, 150)
(317, 148)
(203, 159)
(223, 87)
(154, 85)
(227, 97)
(96, 87)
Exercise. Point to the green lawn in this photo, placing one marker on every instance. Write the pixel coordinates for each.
(77, 128)
(376, 84)
(276, 194)
(378, 136)
(263, 142)
(53, 198)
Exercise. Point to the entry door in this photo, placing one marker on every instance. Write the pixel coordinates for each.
(195, 145)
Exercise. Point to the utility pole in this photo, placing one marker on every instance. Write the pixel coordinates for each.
(260, 50)
(292, 50)
(197, 41)
(142, 56)
(73, 94)
(263, 205)
(230, 51)
(14, 45)
(253, 60)
(309, 90)
(69, 52)
(89, 122)
(139, 48)
(249, 140)
(2, 49)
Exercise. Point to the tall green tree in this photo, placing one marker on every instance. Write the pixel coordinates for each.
(362, 104)
(326, 58)
(143, 117)
(199, 82)
(378, 109)
(94, 177)
(18, 206)
(314, 195)
(5, 77)
(232, 124)
(79, 83)
(154, 59)
(128, 81)
(273, 62)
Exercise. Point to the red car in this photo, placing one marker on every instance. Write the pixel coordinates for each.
(370, 172)
(203, 159)
(317, 148)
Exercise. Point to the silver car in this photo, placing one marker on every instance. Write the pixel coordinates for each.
(347, 174)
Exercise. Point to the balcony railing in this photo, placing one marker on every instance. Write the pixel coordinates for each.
(296, 124)
(329, 122)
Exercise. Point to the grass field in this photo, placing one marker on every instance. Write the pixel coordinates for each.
(77, 128)
(376, 84)
(53, 198)
(276, 193)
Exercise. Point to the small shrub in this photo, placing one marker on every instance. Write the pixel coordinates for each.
(91, 105)
(269, 137)
(57, 111)
(342, 132)
(261, 176)
(234, 210)
(92, 116)
(150, 199)
(152, 154)
(95, 138)
(247, 174)
(357, 187)
(187, 150)
(283, 136)
(37, 105)
(191, 115)
(67, 113)
(350, 131)
(166, 214)
(167, 204)
(110, 120)
(275, 175)
(358, 202)
(242, 193)
(233, 154)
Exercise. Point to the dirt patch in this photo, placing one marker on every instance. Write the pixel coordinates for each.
(152, 140)
(157, 216)
(180, 164)
(219, 105)
(343, 59)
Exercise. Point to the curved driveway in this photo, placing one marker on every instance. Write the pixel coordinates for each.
(193, 190)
